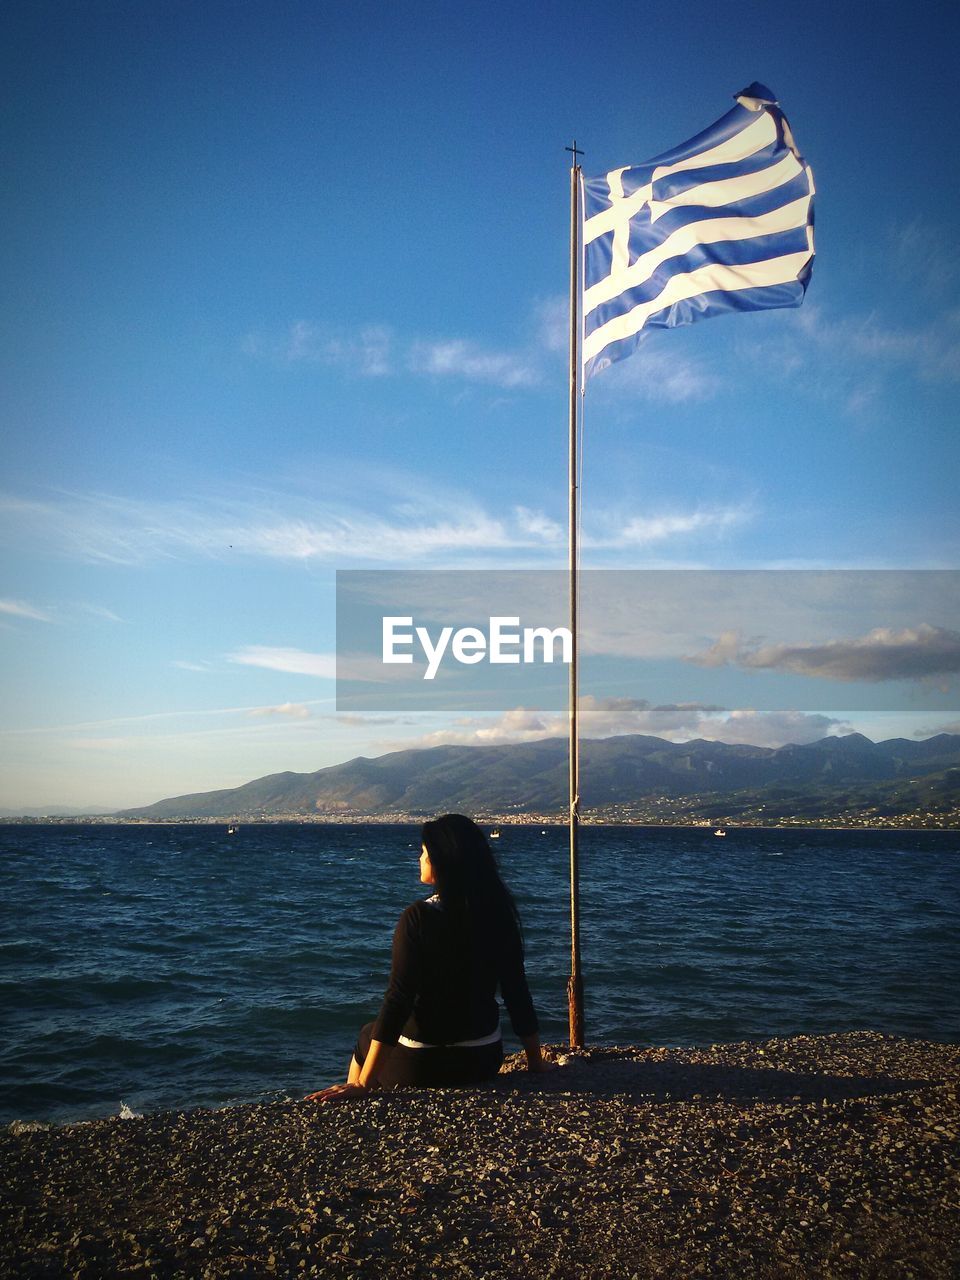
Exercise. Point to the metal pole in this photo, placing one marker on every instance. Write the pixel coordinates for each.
(575, 984)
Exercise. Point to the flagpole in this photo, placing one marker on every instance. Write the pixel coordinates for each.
(575, 984)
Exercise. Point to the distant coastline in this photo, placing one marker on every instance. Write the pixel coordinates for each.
(485, 820)
(843, 782)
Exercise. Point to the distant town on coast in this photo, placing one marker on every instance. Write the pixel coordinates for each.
(844, 781)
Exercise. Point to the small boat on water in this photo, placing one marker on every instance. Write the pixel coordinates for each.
(495, 833)
(233, 828)
(720, 832)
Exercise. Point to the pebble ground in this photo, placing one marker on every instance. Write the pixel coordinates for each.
(815, 1156)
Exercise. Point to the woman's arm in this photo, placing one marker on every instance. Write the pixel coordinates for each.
(365, 1082)
(516, 995)
(376, 1056)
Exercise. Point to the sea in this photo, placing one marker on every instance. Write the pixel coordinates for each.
(149, 968)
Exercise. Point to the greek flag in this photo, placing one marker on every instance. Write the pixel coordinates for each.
(721, 223)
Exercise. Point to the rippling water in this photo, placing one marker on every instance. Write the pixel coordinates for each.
(178, 966)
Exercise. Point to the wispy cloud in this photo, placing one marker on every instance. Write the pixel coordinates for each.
(119, 530)
(369, 352)
(933, 351)
(552, 322)
(539, 526)
(364, 722)
(289, 661)
(21, 609)
(98, 611)
(291, 710)
(931, 731)
(611, 717)
(926, 254)
(850, 358)
(659, 371)
(458, 358)
(377, 351)
(641, 531)
(883, 654)
(157, 719)
(275, 526)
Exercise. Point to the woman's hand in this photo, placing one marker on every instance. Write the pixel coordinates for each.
(338, 1093)
(536, 1061)
(540, 1065)
(360, 1080)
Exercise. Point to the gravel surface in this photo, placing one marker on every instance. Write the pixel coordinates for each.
(812, 1156)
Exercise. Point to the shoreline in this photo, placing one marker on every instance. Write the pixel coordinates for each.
(811, 1155)
(595, 1054)
(374, 821)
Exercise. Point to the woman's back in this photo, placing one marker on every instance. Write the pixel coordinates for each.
(445, 974)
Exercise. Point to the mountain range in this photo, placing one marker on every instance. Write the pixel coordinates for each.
(633, 771)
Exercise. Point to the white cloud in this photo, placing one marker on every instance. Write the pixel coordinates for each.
(376, 351)
(726, 649)
(357, 536)
(109, 529)
(458, 358)
(612, 717)
(771, 728)
(641, 531)
(921, 252)
(663, 374)
(882, 654)
(116, 530)
(153, 722)
(363, 722)
(848, 359)
(98, 611)
(66, 612)
(659, 371)
(607, 717)
(517, 725)
(20, 609)
(538, 525)
(290, 661)
(932, 351)
(950, 726)
(552, 318)
(294, 710)
(369, 352)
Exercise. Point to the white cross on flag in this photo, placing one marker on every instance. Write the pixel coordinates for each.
(721, 223)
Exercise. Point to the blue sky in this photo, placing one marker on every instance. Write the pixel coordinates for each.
(285, 293)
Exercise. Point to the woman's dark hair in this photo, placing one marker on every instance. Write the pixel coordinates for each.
(468, 879)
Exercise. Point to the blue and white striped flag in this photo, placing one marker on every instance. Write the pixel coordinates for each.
(721, 223)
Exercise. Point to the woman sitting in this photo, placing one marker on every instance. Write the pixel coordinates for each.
(440, 1022)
